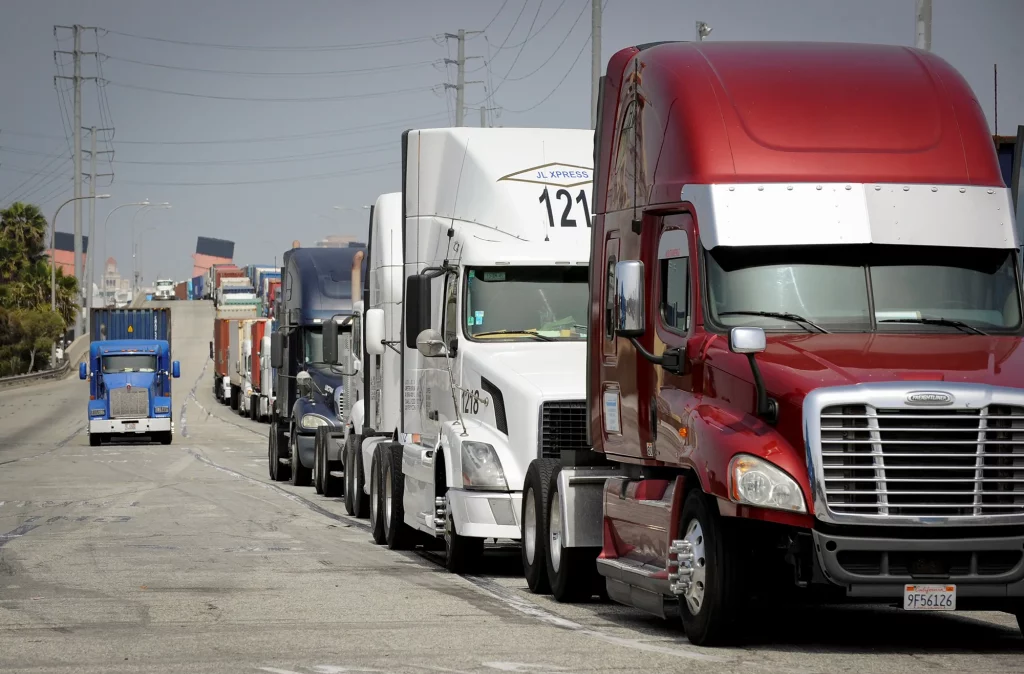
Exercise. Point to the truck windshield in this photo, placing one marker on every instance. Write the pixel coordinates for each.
(129, 363)
(527, 303)
(865, 288)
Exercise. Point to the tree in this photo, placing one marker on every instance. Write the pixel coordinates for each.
(39, 329)
(22, 239)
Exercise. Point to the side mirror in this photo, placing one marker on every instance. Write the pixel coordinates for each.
(276, 350)
(629, 293)
(747, 340)
(417, 308)
(303, 381)
(175, 369)
(330, 340)
(430, 344)
(83, 373)
(374, 319)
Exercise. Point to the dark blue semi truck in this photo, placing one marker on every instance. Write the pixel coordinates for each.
(129, 373)
(316, 286)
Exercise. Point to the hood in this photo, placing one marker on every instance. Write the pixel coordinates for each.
(793, 365)
(327, 382)
(544, 370)
(123, 379)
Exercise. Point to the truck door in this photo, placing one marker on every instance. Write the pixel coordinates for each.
(673, 280)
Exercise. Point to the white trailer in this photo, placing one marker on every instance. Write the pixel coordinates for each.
(489, 364)
(267, 375)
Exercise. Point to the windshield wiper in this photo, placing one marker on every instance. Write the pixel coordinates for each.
(543, 338)
(781, 315)
(950, 322)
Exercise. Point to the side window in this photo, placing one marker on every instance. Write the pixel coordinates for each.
(451, 312)
(609, 300)
(674, 291)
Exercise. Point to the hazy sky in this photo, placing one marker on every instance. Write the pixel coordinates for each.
(338, 143)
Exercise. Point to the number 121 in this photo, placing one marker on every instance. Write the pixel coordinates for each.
(581, 199)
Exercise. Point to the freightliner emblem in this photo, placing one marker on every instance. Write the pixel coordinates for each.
(929, 398)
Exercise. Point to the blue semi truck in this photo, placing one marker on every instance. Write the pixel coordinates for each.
(129, 373)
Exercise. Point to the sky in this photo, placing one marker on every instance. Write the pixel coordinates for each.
(291, 126)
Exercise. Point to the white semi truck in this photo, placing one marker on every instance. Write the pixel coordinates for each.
(480, 340)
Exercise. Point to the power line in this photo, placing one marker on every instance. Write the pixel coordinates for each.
(496, 15)
(360, 171)
(586, 5)
(505, 41)
(546, 23)
(249, 73)
(557, 86)
(520, 52)
(306, 48)
(366, 149)
(378, 126)
(313, 99)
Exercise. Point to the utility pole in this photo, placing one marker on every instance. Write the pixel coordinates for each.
(595, 59)
(76, 79)
(483, 117)
(90, 257)
(923, 34)
(460, 87)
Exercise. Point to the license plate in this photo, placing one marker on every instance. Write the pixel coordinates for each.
(129, 425)
(929, 597)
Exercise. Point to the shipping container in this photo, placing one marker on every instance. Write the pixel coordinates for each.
(220, 346)
(181, 291)
(198, 284)
(259, 329)
(141, 323)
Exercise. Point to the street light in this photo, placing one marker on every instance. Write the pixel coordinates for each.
(53, 246)
(135, 272)
(143, 204)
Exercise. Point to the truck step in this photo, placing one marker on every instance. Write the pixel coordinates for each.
(285, 461)
(338, 473)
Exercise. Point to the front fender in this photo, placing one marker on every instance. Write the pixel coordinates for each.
(451, 445)
(304, 406)
(162, 402)
(357, 416)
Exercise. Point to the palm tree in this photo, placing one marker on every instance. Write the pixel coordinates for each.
(22, 238)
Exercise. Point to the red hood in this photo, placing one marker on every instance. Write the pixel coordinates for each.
(793, 365)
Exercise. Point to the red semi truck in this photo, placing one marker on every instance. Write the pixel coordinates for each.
(804, 365)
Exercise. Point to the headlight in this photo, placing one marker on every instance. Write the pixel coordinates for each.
(311, 421)
(161, 409)
(756, 482)
(97, 412)
(481, 468)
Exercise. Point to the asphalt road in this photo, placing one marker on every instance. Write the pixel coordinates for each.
(186, 558)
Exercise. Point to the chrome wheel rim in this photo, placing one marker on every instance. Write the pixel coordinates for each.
(387, 495)
(373, 501)
(530, 527)
(555, 532)
(694, 596)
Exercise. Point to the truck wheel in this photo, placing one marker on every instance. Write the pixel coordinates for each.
(235, 394)
(279, 472)
(95, 439)
(398, 533)
(301, 476)
(710, 607)
(318, 460)
(534, 518)
(166, 438)
(376, 507)
(356, 501)
(254, 407)
(572, 572)
(462, 554)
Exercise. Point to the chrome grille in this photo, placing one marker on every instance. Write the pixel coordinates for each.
(129, 404)
(902, 462)
(563, 425)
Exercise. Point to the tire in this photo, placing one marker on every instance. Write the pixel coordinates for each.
(234, 397)
(95, 439)
(717, 572)
(318, 460)
(301, 476)
(572, 572)
(534, 518)
(398, 534)
(462, 554)
(254, 407)
(376, 497)
(166, 437)
(279, 472)
(357, 503)
(334, 487)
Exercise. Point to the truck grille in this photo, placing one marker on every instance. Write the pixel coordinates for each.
(129, 404)
(339, 403)
(563, 425)
(921, 463)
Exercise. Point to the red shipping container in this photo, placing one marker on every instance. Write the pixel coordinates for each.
(220, 346)
(275, 287)
(181, 290)
(259, 329)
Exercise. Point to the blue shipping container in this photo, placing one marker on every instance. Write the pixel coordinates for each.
(144, 323)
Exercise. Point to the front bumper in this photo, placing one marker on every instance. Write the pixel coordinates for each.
(130, 426)
(983, 569)
(482, 514)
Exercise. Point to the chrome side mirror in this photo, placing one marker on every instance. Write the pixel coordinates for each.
(430, 344)
(747, 340)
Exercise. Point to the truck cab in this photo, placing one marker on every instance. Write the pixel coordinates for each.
(804, 371)
(130, 376)
(164, 290)
(316, 287)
